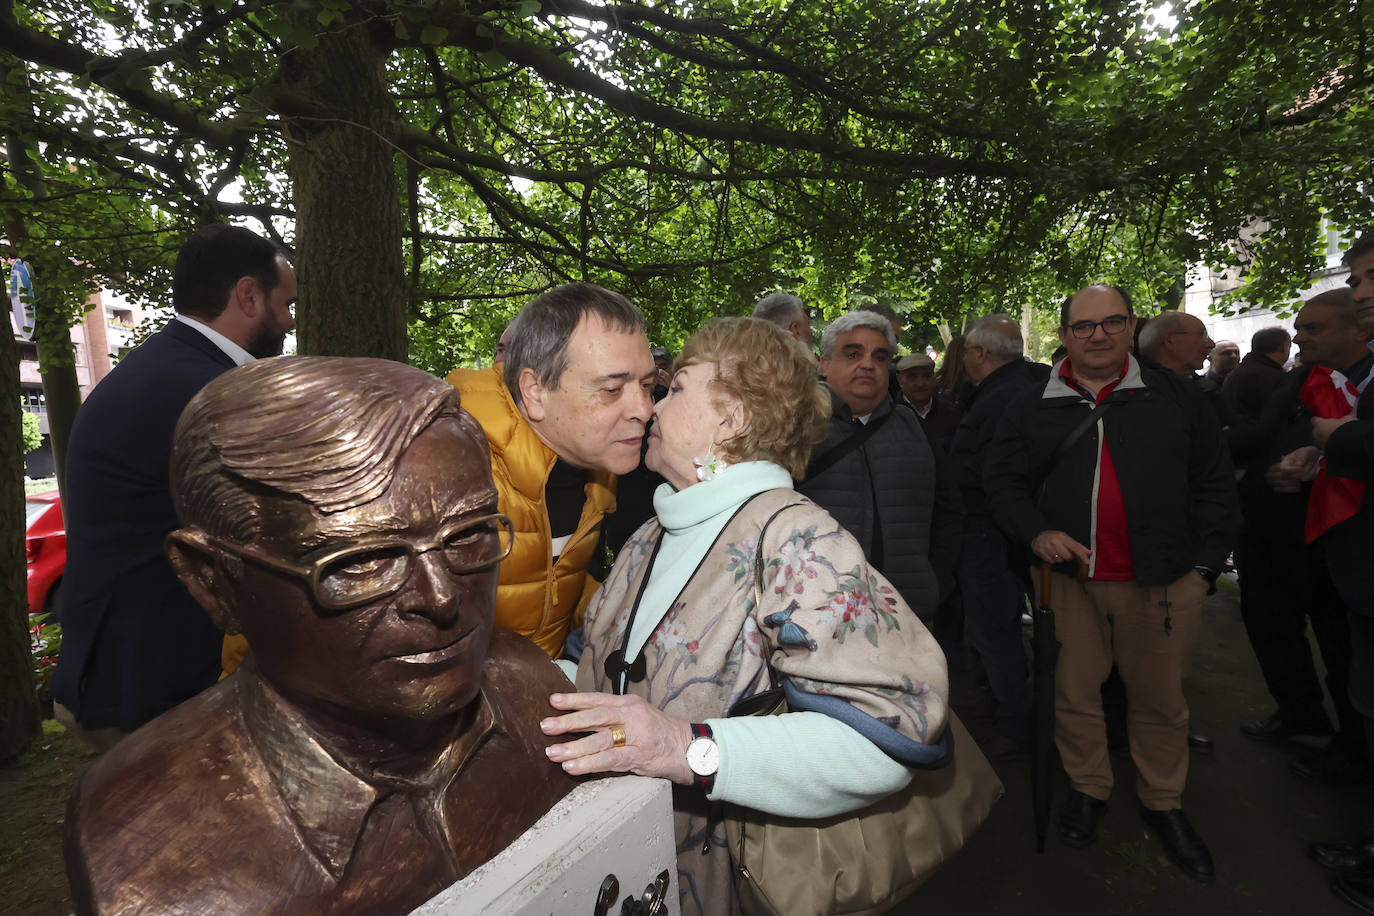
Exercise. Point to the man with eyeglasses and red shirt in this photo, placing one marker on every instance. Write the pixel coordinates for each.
(1116, 475)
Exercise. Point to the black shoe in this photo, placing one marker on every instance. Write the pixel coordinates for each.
(1078, 819)
(1358, 892)
(1344, 857)
(1277, 728)
(1181, 842)
(1334, 766)
(1200, 743)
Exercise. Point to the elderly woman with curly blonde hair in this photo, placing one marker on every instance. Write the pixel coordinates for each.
(676, 635)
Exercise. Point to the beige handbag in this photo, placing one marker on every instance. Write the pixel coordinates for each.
(866, 861)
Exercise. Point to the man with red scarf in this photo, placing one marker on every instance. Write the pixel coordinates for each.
(1347, 441)
(1284, 570)
(1336, 365)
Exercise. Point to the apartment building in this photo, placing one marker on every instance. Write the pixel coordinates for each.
(105, 333)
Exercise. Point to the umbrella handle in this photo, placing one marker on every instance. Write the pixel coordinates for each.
(1045, 569)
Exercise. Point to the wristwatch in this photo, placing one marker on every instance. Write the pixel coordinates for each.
(703, 757)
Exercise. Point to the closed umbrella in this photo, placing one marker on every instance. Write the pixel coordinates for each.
(1045, 647)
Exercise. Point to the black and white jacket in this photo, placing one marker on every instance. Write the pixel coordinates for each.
(1171, 462)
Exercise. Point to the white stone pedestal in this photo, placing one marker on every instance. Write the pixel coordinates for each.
(620, 826)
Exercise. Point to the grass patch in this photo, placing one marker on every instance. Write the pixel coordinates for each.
(33, 800)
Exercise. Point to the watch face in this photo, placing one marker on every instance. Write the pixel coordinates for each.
(703, 756)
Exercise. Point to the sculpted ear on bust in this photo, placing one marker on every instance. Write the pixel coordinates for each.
(201, 568)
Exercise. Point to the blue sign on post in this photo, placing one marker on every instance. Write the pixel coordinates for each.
(21, 298)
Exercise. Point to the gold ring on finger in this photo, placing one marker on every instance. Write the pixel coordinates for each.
(617, 735)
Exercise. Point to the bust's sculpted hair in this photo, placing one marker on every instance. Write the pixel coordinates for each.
(773, 375)
(328, 430)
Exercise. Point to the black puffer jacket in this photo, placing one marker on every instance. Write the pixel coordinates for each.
(885, 493)
(1166, 445)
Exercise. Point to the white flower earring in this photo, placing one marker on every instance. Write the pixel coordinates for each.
(710, 466)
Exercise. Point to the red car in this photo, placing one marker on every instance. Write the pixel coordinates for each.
(45, 542)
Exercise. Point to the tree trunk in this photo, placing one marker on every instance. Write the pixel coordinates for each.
(56, 364)
(1032, 344)
(18, 699)
(348, 207)
(52, 327)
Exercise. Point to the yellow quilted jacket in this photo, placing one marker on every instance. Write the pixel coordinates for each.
(535, 598)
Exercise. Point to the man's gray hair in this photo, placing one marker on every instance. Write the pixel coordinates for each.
(780, 308)
(1156, 329)
(1341, 300)
(539, 335)
(852, 322)
(1000, 335)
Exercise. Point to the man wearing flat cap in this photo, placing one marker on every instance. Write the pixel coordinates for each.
(382, 738)
(938, 414)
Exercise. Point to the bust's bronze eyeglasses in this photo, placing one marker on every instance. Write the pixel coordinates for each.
(374, 567)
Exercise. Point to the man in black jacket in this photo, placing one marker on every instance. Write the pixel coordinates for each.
(1289, 562)
(1248, 388)
(134, 642)
(990, 589)
(1119, 472)
(1282, 581)
(1348, 445)
(1222, 361)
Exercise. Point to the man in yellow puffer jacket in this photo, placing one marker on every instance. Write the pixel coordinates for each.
(564, 415)
(564, 419)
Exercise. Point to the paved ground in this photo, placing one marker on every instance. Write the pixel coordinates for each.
(1255, 816)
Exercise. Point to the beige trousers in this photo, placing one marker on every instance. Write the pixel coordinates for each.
(1099, 623)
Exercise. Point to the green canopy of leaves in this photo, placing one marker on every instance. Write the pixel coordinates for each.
(950, 157)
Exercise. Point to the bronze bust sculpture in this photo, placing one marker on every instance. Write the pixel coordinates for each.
(383, 738)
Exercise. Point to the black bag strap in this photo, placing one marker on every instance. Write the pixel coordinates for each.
(622, 673)
(820, 465)
(1077, 433)
(1062, 449)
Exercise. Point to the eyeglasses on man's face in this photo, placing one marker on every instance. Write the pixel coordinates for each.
(1114, 324)
(375, 567)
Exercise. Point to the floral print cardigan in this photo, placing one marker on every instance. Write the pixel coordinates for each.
(834, 629)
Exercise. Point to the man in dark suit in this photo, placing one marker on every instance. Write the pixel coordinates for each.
(134, 642)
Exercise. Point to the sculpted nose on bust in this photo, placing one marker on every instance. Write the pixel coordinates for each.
(431, 591)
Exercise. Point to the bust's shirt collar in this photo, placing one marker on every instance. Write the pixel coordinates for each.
(329, 797)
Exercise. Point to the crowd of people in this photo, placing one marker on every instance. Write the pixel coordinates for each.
(689, 532)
